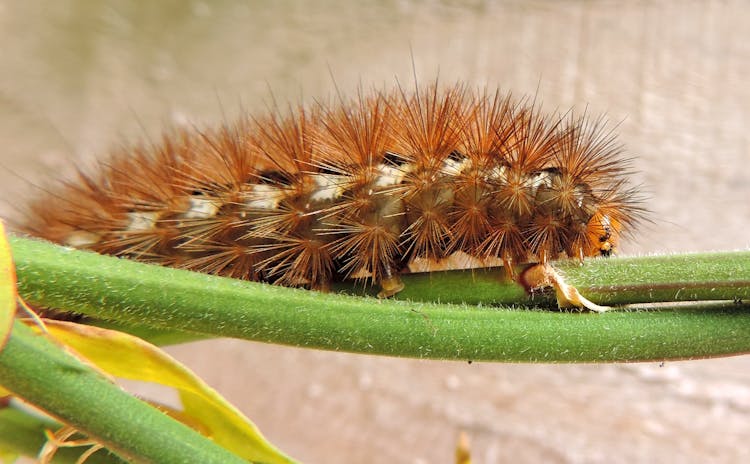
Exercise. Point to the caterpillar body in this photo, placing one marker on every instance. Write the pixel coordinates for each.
(365, 188)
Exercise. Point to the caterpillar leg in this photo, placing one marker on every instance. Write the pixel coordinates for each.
(508, 265)
(323, 286)
(544, 276)
(390, 285)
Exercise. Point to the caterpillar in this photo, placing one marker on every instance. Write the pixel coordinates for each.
(366, 188)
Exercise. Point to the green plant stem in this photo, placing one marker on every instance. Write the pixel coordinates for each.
(40, 372)
(613, 281)
(133, 293)
(647, 279)
(23, 433)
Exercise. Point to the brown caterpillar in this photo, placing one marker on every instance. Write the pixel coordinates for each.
(359, 188)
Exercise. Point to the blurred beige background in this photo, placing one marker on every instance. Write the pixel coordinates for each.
(79, 77)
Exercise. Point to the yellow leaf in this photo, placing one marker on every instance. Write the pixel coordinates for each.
(8, 456)
(7, 288)
(125, 356)
(463, 451)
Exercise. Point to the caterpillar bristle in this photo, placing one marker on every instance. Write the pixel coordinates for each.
(358, 188)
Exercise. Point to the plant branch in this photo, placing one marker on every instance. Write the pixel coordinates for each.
(132, 293)
(40, 372)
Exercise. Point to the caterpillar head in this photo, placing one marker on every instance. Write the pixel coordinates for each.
(603, 234)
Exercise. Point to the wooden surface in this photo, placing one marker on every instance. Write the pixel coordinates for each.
(77, 78)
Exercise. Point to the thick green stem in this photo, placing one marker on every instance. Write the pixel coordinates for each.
(133, 293)
(40, 372)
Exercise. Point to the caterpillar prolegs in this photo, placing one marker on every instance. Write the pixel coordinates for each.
(362, 188)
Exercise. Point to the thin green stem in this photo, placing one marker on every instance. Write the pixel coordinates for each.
(614, 281)
(40, 372)
(137, 294)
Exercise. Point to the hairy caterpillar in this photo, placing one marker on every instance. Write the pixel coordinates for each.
(358, 188)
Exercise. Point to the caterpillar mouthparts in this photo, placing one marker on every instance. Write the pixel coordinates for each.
(366, 188)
